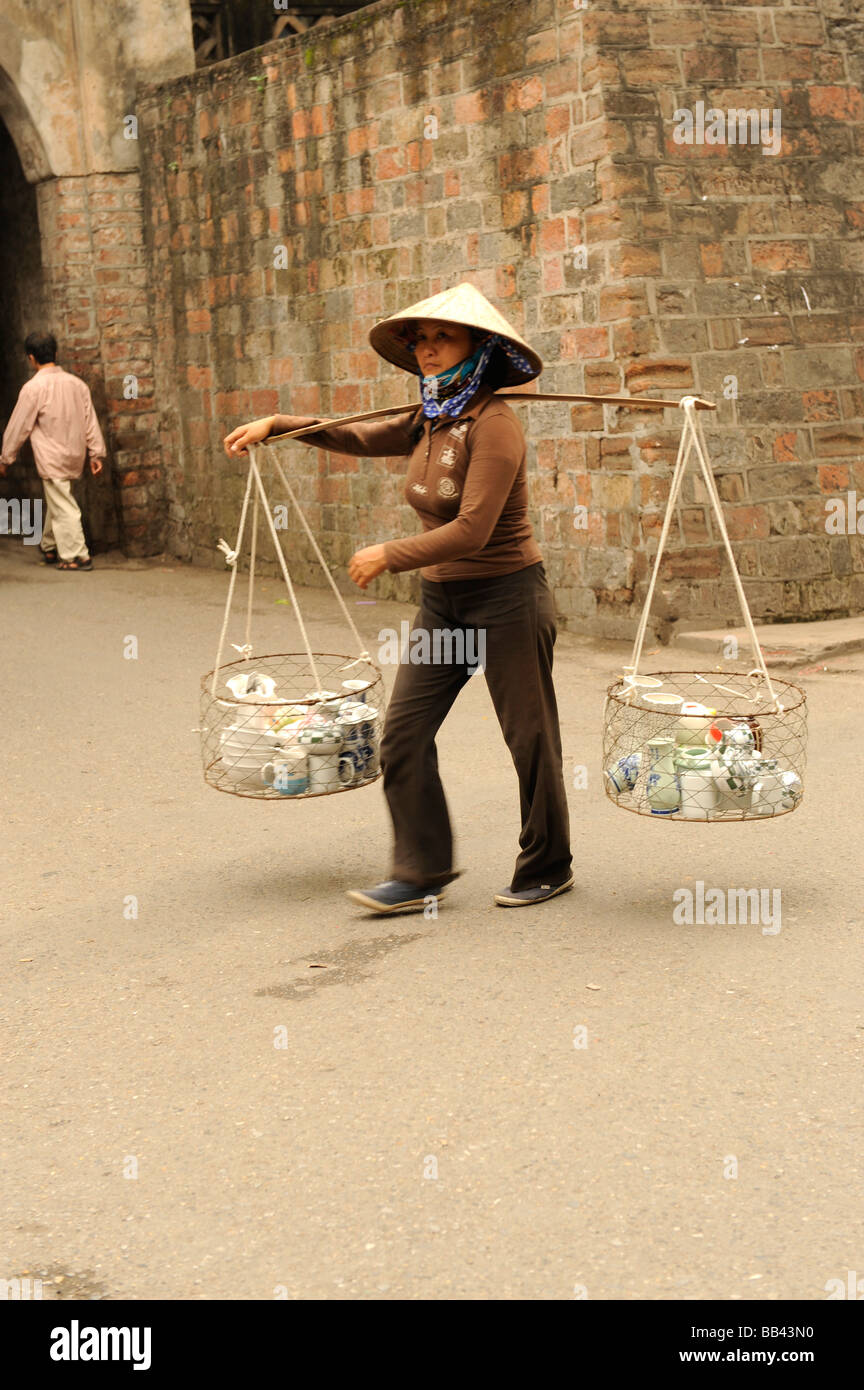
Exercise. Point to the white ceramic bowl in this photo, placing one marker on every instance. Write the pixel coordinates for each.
(642, 682)
(664, 700)
(237, 773)
(248, 738)
(249, 745)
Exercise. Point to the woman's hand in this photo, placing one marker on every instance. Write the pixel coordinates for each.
(253, 433)
(366, 564)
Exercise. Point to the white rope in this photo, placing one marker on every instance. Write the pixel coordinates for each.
(253, 468)
(364, 655)
(710, 483)
(691, 435)
(677, 476)
(247, 646)
(231, 559)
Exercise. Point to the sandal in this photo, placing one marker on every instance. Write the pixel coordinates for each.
(50, 557)
(78, 564)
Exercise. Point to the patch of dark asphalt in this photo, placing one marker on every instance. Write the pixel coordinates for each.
(344, 966)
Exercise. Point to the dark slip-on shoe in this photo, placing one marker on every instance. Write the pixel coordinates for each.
(526, 897)
(394, 896)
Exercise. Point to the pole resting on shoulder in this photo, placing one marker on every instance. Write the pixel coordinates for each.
(633, 402)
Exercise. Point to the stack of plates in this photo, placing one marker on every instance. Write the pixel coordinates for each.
(245, 751)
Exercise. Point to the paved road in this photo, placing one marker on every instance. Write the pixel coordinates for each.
(422, 1046)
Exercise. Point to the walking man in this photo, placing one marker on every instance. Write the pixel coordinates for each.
(54, 410)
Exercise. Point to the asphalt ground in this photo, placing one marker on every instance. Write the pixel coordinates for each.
(430, 1130)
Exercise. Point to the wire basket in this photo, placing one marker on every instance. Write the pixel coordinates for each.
(704, 746)
(273, 735)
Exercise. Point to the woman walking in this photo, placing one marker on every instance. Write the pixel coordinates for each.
(481, 575)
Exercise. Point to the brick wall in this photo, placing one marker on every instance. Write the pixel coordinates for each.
(22, 302)
(295, 194)
(93, 258)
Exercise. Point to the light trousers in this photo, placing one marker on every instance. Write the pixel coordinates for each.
(61, 528)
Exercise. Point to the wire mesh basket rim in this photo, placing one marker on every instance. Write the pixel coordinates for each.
(730, 818)
(249, 664)
(635, 702)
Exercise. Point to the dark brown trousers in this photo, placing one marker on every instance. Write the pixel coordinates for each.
(516, 614)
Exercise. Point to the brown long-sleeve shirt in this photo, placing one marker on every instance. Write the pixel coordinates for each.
(466, 480)
(55, 409)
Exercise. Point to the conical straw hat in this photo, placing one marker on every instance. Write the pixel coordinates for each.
(464, 305)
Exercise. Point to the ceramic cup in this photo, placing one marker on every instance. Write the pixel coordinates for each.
(369, 753)
(698, 787)
(694, 723)
(792, 790)
(663, 791)
(324, 774)
(769, 793)
(288, 776)
(352, 767)
(622, 777)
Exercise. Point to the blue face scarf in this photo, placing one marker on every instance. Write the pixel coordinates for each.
(449, 392)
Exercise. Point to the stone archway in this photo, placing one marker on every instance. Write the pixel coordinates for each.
(44, 213)
(27, 301)
(69, 76)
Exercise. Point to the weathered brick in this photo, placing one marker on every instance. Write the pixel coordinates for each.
(561, 151)
(836, 103)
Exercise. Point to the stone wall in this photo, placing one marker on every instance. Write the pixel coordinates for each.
(94, 262)
(295, 194)
(22, 295)
(68, 75)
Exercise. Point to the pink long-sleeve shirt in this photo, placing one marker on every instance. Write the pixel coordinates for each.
(55, 410)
